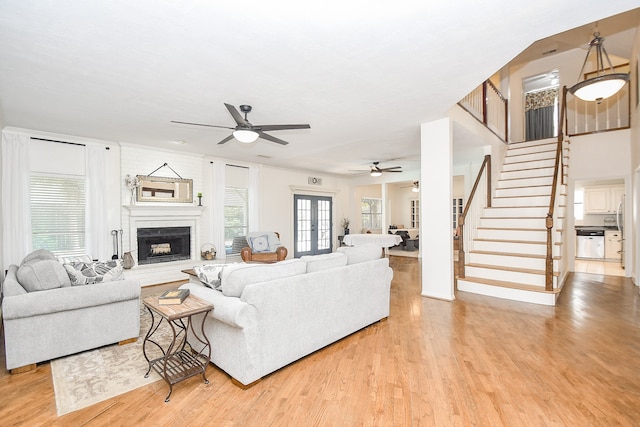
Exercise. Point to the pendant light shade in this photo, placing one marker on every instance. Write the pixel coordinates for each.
(246, 136)
(606, 83)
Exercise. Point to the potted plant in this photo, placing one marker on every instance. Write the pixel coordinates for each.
(345, 225)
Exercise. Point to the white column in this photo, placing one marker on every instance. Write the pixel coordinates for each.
(436, 232)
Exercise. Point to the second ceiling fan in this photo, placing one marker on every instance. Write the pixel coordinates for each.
(246, 132)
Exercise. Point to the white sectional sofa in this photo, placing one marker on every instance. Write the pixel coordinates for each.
(266, 316)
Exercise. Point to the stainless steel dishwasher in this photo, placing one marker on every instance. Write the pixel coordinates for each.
(590, 244)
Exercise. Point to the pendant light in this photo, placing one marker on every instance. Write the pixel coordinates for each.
(605, 83)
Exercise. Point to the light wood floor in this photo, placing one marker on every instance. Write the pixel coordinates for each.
(610, 268)
(477, 361)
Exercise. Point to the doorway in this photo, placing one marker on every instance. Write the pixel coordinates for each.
(312, 225)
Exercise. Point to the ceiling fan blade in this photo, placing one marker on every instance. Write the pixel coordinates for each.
(391, 169)
(201, 124)
(272, 138)
(280, 127)
(237, 116)
(227, 139)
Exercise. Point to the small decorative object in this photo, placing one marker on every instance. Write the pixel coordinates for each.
(132, 183)
(208, 252)
(199, 199)
(127, 260)
(345, 225)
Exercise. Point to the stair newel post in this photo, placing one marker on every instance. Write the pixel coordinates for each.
(487, 161)
(548, 279)
(461, 260)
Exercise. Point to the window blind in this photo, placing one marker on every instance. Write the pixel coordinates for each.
(58, 214)
(236, 215)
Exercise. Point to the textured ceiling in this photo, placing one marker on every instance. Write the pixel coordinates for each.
(363, 74)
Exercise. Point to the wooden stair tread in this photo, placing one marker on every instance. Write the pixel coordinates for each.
(512, 269)
(514, 241)
(512, 254)
(511, 285)
(528, 177)
(512, 229)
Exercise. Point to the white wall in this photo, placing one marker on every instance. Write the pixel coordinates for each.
(277, 189)
(633, 196)
(398, 203)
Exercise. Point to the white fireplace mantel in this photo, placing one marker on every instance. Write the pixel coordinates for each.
(164, 211)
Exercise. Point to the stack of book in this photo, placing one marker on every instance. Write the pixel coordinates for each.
(173, 296)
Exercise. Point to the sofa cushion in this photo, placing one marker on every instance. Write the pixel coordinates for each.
(356, 254)
(37, 255)
(324, 261)
(41, 275)
(235, 277)
(88, 273)
(259, 243)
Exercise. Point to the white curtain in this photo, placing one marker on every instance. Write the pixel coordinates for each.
(96, 228)
(254, 199)
(16, 211)
(217, 177)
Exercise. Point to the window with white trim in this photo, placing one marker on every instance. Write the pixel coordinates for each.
(371, 213)
(58, 213)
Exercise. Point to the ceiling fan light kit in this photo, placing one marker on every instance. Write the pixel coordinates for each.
(245, 136)
(604, 84)
(376, 173)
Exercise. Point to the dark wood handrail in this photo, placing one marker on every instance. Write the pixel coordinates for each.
(558, 166)
(486, 164)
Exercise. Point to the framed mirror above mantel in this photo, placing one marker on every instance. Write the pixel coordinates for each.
(164, 189)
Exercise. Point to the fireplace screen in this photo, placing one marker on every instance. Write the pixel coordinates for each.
(163, 244)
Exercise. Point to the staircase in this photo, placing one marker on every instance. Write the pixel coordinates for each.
(506, 257)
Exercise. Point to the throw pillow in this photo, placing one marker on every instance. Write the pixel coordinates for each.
(74, 258)
(89, 273)
(42, 275)
(357, 254)
(210, 275)
(259, 243)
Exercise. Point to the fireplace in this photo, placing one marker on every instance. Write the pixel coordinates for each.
(163, 244)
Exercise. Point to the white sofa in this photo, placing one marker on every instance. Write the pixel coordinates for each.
(268, 315)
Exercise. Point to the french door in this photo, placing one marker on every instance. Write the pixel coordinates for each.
(312, 225)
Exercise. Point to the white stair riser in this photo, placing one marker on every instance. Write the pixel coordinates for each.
(542, 298)
(514, 247)
(512, 222)
(509, 261)
(520, 201)
(528, 173)
(504, 234)
(539, 190)
(507, 276)
(525, 182)
(512, 212)
(531, 158)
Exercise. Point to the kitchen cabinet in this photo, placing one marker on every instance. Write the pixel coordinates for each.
(602, 199)
(612, 244)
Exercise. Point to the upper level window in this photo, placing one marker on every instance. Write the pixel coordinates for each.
(541, 105)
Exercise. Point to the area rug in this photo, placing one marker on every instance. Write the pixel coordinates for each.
(83, 379)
